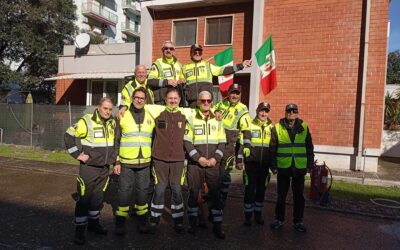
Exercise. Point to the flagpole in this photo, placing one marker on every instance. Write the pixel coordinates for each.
(210, 58)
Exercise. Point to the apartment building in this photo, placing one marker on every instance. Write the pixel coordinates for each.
(118, 21)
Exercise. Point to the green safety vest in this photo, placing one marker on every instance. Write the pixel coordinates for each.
(97, 134)
(167, 71)
(288, 151)
(136, 138)
(260, 137)
(197, 72)
(231, 114)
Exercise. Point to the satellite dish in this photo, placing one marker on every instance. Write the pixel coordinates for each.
(82, 40)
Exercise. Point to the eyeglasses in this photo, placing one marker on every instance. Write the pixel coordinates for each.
(139, 98)
(294, 111)
(169, 48)
(204, 101)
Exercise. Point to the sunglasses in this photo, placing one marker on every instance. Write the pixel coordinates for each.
(294, 111)
(204, 101)
(169, 48)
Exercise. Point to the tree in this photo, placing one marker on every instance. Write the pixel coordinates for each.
(393, 68)
(33, 33)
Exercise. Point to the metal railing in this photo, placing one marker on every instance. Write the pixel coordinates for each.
(132, 5)
(92, 7)
(131, 28)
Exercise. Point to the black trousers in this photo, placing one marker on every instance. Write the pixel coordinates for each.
(133, 180)
(297, 182)
(255, 185)
(91, 184)
(172, 174)
(197, 175)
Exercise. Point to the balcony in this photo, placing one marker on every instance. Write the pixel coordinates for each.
(97, 11)
(132, 6)
(130, 29)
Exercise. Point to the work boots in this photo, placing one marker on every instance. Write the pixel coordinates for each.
(179, 227)
(192, 224)
(258, 218)
(247, 219)
(94, 226)
(142, 224)
(120, 227)
(217, 230)
(80, 238)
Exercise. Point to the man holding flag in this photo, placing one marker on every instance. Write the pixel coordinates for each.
(198, 73)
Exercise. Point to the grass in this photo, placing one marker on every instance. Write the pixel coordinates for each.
(37, 154)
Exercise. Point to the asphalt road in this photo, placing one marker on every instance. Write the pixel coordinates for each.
(36, 212)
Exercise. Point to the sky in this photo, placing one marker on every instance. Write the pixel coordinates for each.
(394, 15)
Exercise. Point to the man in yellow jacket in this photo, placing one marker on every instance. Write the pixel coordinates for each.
(133, 140)
(96, 133)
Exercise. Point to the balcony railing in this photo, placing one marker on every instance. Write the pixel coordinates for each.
(130, 29)
(97, 11)
(132, 6)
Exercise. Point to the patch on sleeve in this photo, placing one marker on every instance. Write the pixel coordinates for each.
(76, 126)
(154, 68)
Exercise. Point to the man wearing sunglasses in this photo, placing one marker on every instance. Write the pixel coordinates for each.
(236, 120)
(199, 73)
(292, 156)
(204, 142)
(166, 72)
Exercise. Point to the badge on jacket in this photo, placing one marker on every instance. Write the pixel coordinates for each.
(179, 124)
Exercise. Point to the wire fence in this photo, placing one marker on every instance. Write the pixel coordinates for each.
(38, 125)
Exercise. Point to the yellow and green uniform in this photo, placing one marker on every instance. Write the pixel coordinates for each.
(199, 77)
(97, 139)
(127, 91)
(256, 172)
(162, 70)
(205, 137)
(134, 134)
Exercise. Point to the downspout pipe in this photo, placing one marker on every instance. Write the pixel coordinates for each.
(360, 146)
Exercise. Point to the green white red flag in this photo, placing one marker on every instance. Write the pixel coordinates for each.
(265, 56)
(223, 59)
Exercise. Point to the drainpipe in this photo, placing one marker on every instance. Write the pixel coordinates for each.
(360, 155)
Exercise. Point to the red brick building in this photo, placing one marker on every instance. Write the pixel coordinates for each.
(327, 53)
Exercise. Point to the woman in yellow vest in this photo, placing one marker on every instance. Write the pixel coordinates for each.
(96, 133)
(257, 160)
(292, 156)
(133, 139)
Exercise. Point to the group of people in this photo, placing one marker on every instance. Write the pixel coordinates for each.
(154, 135)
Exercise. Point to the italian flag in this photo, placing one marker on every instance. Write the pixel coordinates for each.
(223, 59)
(266, 61)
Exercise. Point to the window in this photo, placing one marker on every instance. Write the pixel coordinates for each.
(185, 32)
(102, 89)
(219, 30)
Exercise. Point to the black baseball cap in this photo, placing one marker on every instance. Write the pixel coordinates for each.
(234, 87)
(196, 47)
(291, 106)
(263, 105)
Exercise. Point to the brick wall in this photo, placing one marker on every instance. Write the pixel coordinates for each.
(70, 90)
(318, 47)
(242, 31)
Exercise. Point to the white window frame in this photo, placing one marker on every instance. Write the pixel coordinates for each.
(89, 91)
(184, 19)
(205, 30)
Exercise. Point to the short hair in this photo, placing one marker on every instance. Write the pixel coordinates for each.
(171, 89)
(140, 89)
(205, 92)
(167, 41)
(105, 99)
(140, 66)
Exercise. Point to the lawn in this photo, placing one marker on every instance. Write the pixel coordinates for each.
(37, 154)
